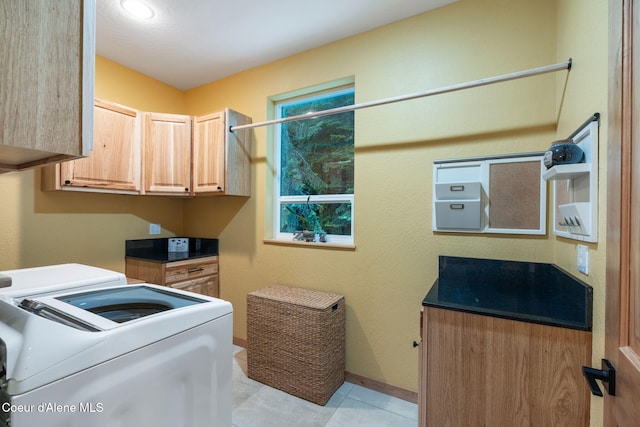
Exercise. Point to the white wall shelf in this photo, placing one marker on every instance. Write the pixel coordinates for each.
(567, 171)
(575, 188)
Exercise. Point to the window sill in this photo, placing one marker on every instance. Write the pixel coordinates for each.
(320, 245)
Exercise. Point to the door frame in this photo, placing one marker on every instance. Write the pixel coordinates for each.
(620, 165)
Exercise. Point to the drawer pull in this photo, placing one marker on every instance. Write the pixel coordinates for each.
(456, 206)
(456, 188)
(195, 270)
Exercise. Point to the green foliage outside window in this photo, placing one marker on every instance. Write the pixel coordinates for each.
(317, 159)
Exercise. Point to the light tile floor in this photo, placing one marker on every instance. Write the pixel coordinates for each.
(258, 405)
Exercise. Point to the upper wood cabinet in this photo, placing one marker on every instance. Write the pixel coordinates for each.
(114, 163)
(47, 74)
(160, 154)
(167, 154)
(221, 158)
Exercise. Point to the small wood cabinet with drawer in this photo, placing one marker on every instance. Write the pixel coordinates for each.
(198, 275)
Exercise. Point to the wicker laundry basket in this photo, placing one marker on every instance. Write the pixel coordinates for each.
(295, 341)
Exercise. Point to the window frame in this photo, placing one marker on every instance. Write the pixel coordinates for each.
(307, 95)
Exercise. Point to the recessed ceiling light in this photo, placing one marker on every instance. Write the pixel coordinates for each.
(137, 9)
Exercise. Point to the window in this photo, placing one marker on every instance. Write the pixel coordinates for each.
(314, 164)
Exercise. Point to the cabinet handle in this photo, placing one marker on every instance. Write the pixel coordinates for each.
(195, 270)
(186, 189)
(456, 188)
(456, 206)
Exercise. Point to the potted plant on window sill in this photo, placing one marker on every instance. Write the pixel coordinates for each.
(309, 219)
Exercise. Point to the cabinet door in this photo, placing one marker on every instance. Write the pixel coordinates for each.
(167, 150)
(209, 153)
(422, 373)
(486, 371)
(212, 287)
(205, 285)
(195, 285)
(47, 57)
(114, 163)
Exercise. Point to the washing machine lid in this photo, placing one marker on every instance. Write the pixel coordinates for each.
(53, 278)
(105, 309)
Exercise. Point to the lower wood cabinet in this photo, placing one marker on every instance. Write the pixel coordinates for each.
(198, 275)
(478, 370)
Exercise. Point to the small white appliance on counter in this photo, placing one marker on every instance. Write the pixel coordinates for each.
(91, 350)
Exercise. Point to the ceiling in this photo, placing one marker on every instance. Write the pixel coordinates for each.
(188, 43)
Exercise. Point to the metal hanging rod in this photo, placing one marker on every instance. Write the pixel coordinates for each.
(460, 86)
(594, 118)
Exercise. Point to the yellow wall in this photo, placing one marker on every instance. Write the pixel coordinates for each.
(120, 84)
(395, 261)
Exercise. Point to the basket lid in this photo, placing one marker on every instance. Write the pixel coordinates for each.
(299, 296)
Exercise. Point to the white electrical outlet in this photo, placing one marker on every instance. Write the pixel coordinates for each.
(154, 229)
(583, 259)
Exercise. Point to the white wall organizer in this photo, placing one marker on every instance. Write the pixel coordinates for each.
(575, 188)
(498, 194)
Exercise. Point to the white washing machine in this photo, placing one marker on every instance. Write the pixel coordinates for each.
(101, 355)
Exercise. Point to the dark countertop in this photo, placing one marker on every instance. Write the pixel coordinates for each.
(157, 250)
(525, 291)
